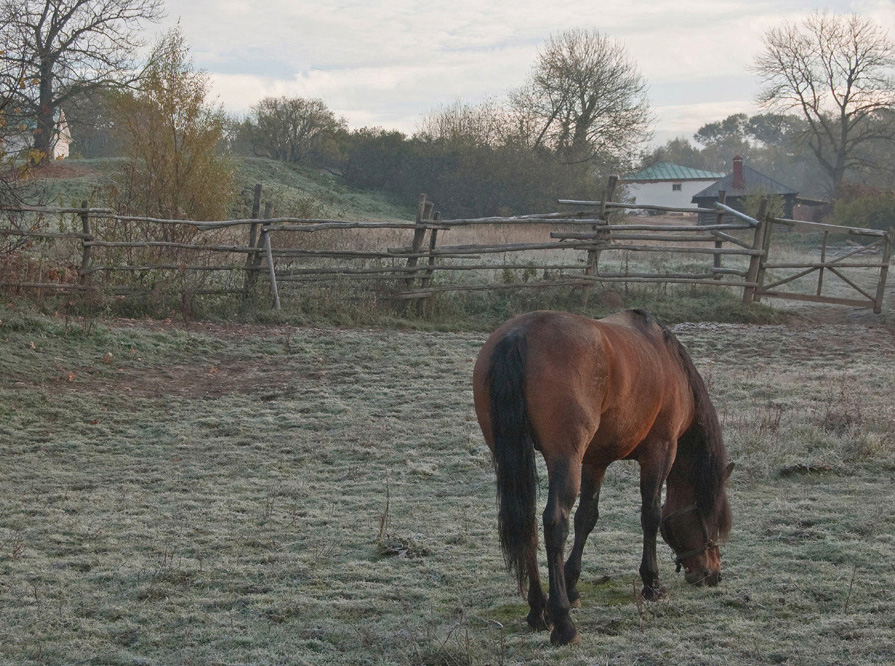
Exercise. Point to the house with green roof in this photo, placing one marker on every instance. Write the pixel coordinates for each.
(668, 184)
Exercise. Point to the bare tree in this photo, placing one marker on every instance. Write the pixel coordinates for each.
(69, 47)
(587, 95)
(15, 185)
(485, 124)
(839, 73)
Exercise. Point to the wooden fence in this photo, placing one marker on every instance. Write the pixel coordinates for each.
(579, 249)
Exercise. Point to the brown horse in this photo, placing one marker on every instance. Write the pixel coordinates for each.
(586, 393)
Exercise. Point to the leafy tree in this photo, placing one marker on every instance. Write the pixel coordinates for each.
(678, 151)
(171, 136)
(239, 135)
(777, 129)
(376, 159)
(64, 48)
(586, 98)
(732, 128)
(837, 72)
(724, 139)
(297, 130)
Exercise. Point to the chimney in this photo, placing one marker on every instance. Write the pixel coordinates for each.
(738, 182)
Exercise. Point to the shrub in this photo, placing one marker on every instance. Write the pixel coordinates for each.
(865, 207)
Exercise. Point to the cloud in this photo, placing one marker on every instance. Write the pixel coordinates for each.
(387, 62)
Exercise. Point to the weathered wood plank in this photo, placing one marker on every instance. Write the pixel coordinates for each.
(816, 299)
(618, 204)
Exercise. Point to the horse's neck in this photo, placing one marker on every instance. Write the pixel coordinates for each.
(682, 477)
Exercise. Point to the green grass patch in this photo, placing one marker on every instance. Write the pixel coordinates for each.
(293, 190)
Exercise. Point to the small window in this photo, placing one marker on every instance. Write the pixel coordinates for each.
(676, 187)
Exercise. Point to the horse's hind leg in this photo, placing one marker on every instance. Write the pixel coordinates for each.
(586, 517)
(653, 471)
(565, 480)
(537, 602)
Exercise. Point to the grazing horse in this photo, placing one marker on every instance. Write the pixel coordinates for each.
(586, 393)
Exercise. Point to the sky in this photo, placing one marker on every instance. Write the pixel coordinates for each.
(387, 63)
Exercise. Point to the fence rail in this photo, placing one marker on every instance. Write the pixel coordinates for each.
(573, 253)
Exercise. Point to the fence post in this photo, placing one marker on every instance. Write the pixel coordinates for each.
(418, 235)
(423, 303)
(722, 199)
(593, 256)
(765, 245)
(268, 250)
(84, 275)
(884, 271)
(823, 261)
(756, 261)
(253, 259)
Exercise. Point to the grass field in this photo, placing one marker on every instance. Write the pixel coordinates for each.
(234, 494)
(293, 190)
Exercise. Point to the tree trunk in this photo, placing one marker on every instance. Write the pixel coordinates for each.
(45, 130)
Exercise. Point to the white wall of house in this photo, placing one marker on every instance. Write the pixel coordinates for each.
(675, 193)
(18, 142)
(61, 145)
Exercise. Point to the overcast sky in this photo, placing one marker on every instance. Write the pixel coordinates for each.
(387, 63)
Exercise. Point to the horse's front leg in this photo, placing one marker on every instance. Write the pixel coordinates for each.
(652, 475)
(565, 480)
(586, 517)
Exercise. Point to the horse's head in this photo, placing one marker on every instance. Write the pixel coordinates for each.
(695, 550)
(693, 534)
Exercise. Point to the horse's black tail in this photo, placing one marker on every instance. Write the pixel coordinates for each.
(514, 454)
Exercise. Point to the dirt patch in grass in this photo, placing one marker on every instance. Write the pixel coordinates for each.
(62, 169)
(221, 330)
(267, 378)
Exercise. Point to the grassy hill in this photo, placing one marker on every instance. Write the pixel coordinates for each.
(294, 191)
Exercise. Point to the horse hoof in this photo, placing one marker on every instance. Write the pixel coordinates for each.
(565, 634)
(537, 622)
(654, 593)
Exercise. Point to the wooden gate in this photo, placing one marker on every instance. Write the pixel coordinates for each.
(864, 249)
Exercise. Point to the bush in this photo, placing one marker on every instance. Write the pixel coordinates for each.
(171, 135)
(865, 207)
(466, 179)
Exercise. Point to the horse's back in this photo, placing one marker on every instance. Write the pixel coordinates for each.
(606, 383)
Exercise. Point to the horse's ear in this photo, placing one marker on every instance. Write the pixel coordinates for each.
(728, 472)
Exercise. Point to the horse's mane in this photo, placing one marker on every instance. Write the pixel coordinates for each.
(703, 437)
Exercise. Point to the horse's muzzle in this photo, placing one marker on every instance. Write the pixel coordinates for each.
(703, 577)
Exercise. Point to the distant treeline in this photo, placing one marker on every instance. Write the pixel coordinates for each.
(483, 160)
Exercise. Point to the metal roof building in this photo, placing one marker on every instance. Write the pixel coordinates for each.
(668, 171)
(668, 184)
